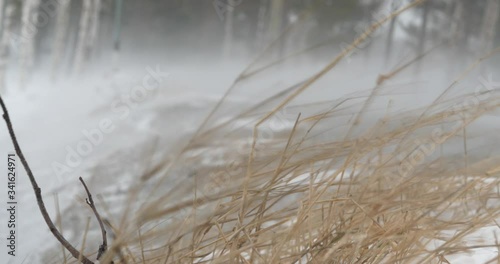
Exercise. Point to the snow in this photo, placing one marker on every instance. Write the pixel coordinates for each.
(52, 119)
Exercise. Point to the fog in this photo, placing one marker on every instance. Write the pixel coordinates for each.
(149, 73)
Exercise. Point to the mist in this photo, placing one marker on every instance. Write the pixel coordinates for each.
(157, 93)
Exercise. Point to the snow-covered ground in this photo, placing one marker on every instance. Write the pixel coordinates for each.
(103, 125)
(99, 126)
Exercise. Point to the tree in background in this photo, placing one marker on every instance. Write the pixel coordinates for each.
(276, 17)
(94, 25)
(247, 26)
(390, 35)
(489, 24)
(27, 38)
(5, 37)
(457, 21)
(87, 32)
(83, 34)
(60, 40)
(228, 27)
(262, 20)
(422, 36)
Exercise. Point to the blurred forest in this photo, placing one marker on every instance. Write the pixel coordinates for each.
(65, 35)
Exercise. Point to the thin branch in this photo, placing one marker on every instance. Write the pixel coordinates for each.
(104, 246)
(38, 192)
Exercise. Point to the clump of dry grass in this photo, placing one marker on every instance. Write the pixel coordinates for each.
(409, 187)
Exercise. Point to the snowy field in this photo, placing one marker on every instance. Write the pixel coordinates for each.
(60, 128)
(96, 127)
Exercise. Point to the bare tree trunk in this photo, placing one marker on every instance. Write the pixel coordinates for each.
(61, 35)
(228, 29)
(117, 32)
(83, 35)
(5, 41)
(94, 24)
(261, 24)
(460, 37)
(89, 28)
(2, 10)
(458, 29)
(423, 33)
(454, 10)
(28, 34)
(277, 13)
(488, 30)
(390, 36)
(276, 19)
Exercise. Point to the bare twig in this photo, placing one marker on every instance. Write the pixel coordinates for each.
(103, 247)
(38, 192)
